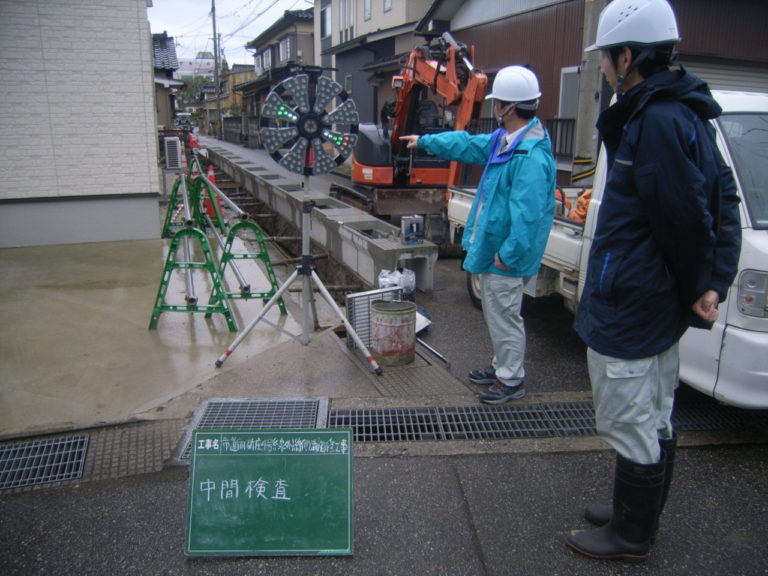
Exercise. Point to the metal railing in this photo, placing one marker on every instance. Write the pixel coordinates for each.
(562, 132)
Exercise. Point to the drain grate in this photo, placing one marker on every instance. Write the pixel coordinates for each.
(479, 422)
(714, 416)
(465, 422)
(255, 414)
(42, 461)
(517, 421)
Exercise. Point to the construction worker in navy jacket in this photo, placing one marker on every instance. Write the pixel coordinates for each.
(665, 252)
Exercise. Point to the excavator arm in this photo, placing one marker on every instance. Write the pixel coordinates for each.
(401, 181)
(447, 72)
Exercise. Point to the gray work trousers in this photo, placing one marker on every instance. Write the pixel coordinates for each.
(634, 400)
(502, 300)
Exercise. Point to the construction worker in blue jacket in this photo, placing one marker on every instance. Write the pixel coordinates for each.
(510, 219)
(664, 254)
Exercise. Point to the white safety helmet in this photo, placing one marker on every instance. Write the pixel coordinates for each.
(636, 22)
(516, 84)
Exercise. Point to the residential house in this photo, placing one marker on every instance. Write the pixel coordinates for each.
(227, 99)
(727, 52)
(79, 143)
(286, 44)
(232, 100)
(165, 64)
(368, 36)
(727, 48)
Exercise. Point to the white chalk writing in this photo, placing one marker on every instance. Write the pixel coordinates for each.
(254, 489)
(251, 445)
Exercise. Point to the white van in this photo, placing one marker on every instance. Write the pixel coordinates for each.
(729, 362)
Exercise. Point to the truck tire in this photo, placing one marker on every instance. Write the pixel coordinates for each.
(473, 287)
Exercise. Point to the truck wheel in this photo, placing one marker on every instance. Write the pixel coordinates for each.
(473, 287)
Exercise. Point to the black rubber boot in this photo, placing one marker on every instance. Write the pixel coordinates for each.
(600, 514)
(637, 493)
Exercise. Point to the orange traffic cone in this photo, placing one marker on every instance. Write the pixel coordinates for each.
(208, 204)
(195, 172)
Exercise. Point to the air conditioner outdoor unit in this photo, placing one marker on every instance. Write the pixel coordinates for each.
(173, 152)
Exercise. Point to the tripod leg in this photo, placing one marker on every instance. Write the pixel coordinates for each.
(247, 329)
(350, 331)
(306, 299)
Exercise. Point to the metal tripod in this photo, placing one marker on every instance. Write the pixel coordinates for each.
(309, 278)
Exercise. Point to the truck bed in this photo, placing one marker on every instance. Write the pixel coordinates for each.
(560, 265)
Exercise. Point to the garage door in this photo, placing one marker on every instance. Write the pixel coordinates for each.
(731, 77)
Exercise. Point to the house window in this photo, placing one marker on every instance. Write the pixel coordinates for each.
(348, 83)
(387, 5)
(285, 49)
(266, 60)
(347, 20)
(325, 22)
(367, 9)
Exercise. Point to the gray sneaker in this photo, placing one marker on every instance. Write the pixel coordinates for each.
(500, 393)
(484, 376)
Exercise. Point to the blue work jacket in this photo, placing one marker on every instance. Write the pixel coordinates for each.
(515, 202)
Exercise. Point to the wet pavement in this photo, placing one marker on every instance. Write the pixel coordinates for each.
(74, 344)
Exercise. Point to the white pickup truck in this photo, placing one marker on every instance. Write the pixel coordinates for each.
(729, 362)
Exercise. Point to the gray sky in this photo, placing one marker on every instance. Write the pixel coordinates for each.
(237, 22)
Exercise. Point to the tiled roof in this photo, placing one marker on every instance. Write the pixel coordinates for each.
(241, 68)
(307, 14)
(289, 16)
(164, 52)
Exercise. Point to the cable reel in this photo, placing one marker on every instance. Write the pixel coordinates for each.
(300, 132)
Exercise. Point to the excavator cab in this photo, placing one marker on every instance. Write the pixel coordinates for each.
(438, 89)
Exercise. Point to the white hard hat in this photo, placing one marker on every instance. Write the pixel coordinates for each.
(515, 84)
(640, 22)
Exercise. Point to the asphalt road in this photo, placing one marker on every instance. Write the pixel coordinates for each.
(555, 356)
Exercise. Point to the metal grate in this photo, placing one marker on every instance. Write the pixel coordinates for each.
(466, 422)
(42, 461)
(255, 414)
(714, 416)
(517, 421)
(485, 422)
(359, 311)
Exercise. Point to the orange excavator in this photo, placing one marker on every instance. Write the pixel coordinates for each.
(438, 89)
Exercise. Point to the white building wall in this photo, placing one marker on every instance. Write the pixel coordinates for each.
(77, 118)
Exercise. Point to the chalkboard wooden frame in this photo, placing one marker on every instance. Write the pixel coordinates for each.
(270, 493)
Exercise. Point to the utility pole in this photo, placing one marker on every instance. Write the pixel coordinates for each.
(216, 47)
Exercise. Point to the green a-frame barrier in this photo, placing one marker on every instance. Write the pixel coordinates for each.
(197, 191)
(218, 301)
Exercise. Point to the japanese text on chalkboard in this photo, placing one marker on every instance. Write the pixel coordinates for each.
(276, 445)
(252, 489)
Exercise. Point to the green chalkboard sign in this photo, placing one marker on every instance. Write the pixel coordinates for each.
(270, 493)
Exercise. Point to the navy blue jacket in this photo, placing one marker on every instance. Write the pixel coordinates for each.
(668, 228)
